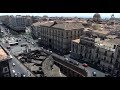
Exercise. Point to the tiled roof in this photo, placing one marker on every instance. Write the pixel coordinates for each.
(101, 31)
(36, 24)
(3, 55)
(69, 25)
(61, 25)
(114, 41)
(47, 23)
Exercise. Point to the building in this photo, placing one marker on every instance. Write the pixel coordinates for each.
(4, 63)
(28, 20)
(97, 18)
(105, 54)
(17, 22)
(57, 35)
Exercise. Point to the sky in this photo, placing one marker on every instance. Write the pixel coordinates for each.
(103, 15)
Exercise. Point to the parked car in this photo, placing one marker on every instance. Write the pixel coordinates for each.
(107, 75)
(85, 65)
(13, 64)
(23, 75)
(73, 62)
(15, 75)
(8, 47)
(66, 59)
(94, 73)
(23, 45)
(13, 71)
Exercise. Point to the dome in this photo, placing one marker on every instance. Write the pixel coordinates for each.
(97, 15)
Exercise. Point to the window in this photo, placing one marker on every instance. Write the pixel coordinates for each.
(73, 47)
(97, 50)
(111, 61)
(47, 31)
(50, 32)
(85, 55)
(105, 53)
(89, 57)
(58, 33)
(66, 33)
(61, 33)
(81, 47)
(104, 58)
(74, 32)
(90, 51)
(112, 55)
(97, 56)
(71, 32)
(114, 46)
(53, 32)
(5, 70)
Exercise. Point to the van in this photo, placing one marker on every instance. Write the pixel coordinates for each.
(94, 73)
(75, 63)
(23, 45)
(13, 71)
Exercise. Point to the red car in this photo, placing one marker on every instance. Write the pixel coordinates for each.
(85, 65)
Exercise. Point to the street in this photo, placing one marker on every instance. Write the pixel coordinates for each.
(99, 73)
(19, 68)
(27, 39)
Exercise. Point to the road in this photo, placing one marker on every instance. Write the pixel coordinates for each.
(19, 67)
(90, 69)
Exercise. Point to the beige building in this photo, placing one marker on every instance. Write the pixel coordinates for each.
(103, 53)
(57, 35)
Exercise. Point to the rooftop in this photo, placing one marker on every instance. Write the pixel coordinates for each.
(111, 36)
(114, 41)
(46, 23)
(61, 25)
(108, 44)
(76, 40)
(105, 32)
(3, 54)
(69, 25)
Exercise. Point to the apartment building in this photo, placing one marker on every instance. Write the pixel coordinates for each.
(17, 22)
(57, 35)
(103, 53)
(4, 63)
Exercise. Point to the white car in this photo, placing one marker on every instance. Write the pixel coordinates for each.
(24, 75)
(11, 56)
(66, 59)
(16, 75)
(94, 73)
(13, 71)
(13, 64)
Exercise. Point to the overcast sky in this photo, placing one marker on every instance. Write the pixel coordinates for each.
(103, 15)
